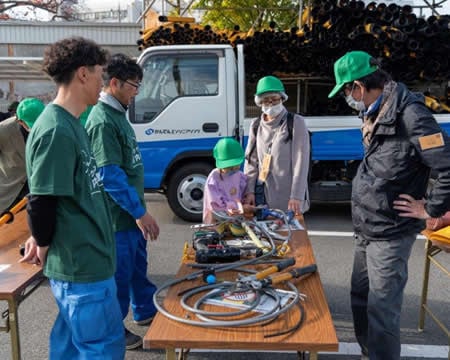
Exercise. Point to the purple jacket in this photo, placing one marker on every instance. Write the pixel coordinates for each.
(222, 192)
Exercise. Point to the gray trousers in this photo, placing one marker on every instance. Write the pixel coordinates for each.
(380, 272)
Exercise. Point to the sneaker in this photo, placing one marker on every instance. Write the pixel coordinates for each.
(144, 322)
(132, 341)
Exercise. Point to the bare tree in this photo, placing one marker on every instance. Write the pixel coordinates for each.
(27, 10)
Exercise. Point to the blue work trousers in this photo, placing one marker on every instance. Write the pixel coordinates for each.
(89, 324)
(133, 286)
(380, 273)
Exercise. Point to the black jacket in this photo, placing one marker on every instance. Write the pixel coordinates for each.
(395, 163)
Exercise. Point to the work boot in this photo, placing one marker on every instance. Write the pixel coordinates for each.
(144, 322)
(132, 341)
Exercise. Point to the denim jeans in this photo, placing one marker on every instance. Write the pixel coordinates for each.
(89, 323)
(380, 273)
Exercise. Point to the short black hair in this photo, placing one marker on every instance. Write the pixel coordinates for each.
(122, 67)
(64, 57)
(377, 79)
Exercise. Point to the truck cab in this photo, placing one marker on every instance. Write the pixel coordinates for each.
(186, 102)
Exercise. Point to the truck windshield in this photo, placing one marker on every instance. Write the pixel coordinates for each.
(168, 77)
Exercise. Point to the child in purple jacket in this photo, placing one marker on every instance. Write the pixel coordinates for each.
(225, 185)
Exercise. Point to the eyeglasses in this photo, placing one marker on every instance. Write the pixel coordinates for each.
(271, 101)
(348, 88)
(133, 84)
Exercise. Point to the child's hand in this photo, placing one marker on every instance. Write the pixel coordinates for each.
(235, 208)
(232, 212)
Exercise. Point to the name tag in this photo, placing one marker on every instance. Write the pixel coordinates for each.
(431, 141)
(265, 168)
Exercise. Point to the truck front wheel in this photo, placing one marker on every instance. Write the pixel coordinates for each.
(185, 191)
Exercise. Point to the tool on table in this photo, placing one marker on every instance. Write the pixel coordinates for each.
(210, 248)
(254, 280)
(262, 213)
(291, 274)
(7, 217)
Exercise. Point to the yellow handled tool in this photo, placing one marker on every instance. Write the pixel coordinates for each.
(252, 235)
(275, 268)
(8, 216)
(255, 279)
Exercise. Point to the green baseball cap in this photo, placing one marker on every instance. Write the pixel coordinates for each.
(29, 110)
(352, 66)
(228, 152)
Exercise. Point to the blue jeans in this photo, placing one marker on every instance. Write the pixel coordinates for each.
(89, 324)
(133, 285)
(380, 273)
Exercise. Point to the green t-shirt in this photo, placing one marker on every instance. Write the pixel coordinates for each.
(114, 143)
(60, 163)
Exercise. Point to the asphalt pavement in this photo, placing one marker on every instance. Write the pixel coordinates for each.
(330, 234)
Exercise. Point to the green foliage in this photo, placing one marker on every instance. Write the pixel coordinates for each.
(226, 14)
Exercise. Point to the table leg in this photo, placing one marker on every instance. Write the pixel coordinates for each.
(13, 321)
(171, 354)
(301, 355)
(183, 354)
(426, 275)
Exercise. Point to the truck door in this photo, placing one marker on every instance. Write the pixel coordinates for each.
(178, 116)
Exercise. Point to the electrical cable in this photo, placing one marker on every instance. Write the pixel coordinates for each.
(293, 328)
(207, 318)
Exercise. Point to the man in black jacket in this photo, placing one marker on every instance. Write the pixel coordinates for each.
(402, 144)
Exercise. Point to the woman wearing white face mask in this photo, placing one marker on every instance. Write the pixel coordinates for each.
(277, 154)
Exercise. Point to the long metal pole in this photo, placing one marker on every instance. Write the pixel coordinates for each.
(147, 8)
(300, 12)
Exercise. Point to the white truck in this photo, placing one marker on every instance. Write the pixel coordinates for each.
(192, 95)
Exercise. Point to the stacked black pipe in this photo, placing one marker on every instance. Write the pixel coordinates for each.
(409, 47)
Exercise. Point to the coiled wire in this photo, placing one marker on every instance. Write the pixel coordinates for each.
(204, 317)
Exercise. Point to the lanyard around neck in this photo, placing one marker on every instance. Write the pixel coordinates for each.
(269, 148)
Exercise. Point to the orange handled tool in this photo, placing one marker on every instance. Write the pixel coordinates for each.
(255, 281)
(292, 274)
(275, 268)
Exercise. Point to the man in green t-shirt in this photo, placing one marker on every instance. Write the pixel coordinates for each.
(122, 172)
(68, 212)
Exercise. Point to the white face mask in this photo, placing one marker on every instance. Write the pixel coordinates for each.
(272, 110)
(357, 105)
(231, 172)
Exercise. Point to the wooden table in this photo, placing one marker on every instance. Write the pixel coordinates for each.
(316, 334)
(17, 281)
